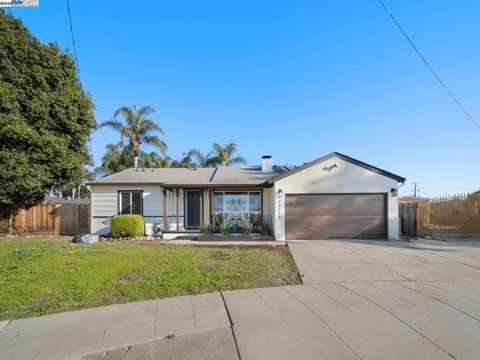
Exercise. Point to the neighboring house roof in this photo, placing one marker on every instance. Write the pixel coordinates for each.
(411, 199)
(223, 176)
(202, 177)
(343, 157)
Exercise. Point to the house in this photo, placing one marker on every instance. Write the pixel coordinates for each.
(334, 196)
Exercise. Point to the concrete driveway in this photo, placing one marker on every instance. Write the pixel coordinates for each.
(361, 300)
(332, 261)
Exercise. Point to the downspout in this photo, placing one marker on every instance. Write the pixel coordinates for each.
(91, 206)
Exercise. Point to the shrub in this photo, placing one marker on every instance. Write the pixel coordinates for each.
(4, 226)
(225, 229)
(246, 228)
(127, 226)
(207, 229)
(265, 229)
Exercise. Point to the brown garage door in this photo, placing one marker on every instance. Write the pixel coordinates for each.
(335, 216)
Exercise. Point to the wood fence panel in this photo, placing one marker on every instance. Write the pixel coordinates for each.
(68, 219)
(83, 219)
(59, 219)
(451, 216)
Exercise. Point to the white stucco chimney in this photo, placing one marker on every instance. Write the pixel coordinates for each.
(135, 162)
(267, 163)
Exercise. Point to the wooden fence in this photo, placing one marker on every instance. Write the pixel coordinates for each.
(64, 218)
(449, 216)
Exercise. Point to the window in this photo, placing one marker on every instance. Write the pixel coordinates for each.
(130, 202)
(238, 203)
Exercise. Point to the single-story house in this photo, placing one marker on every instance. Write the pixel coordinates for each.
(334, 196)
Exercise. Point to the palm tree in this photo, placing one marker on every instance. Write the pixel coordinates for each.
(117, 158)
(138, 128)
(154, 160)
(224, 155)
(185, 162)
(203, 160)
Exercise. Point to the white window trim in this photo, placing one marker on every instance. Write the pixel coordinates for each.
(120, 207)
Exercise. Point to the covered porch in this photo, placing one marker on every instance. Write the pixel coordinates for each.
(187, 209)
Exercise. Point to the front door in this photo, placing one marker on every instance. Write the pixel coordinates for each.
(192, 202)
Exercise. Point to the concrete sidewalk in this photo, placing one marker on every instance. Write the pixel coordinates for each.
(85, 331)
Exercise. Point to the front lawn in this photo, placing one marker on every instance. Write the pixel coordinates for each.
(42, 276)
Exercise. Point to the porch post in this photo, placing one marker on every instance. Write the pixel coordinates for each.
(164, 209)
(176, 191)
(202, 220)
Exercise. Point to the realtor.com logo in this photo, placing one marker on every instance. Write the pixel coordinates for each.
(19, 3)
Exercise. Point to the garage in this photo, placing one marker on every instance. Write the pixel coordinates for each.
(336, 216)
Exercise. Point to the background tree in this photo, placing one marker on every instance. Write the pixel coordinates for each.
(117, 158)
(225, 155)
(154, 160)
(185, 162)
(203, 160)
(45, 118)
(138, 128)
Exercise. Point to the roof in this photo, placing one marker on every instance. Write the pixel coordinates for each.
(343, 157)
(201, 177)
(247, 176)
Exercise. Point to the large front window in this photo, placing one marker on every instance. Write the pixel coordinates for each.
(237, 207)
(130, 202)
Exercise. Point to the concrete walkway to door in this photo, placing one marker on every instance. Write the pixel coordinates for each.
(363, 300)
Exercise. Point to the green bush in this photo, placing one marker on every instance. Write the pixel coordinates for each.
(127, 226)
(207, 229)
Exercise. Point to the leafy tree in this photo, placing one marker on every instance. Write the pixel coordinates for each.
(138, 128)
(224, 155)
(45, 117)
(77, 189)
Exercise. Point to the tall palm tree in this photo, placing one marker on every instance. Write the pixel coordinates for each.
(138, 128)
(224, 155)
(203, 160)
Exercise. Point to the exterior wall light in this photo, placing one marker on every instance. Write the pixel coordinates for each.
(394, 192)
(279, 193)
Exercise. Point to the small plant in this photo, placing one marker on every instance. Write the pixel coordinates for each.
(246, 228)
(265, 229)
(225, 229)
(207, 229)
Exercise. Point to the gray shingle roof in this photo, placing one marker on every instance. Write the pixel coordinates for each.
(225, 176)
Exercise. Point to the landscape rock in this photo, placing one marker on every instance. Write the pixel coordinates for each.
(85, 239)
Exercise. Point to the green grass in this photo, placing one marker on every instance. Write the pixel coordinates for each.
(38, 277)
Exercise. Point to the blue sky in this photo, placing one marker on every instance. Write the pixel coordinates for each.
(295, 80)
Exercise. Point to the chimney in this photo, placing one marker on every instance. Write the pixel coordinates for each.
(136, 162)
(267, 164)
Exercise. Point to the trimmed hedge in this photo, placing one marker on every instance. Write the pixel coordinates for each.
(127, 226)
